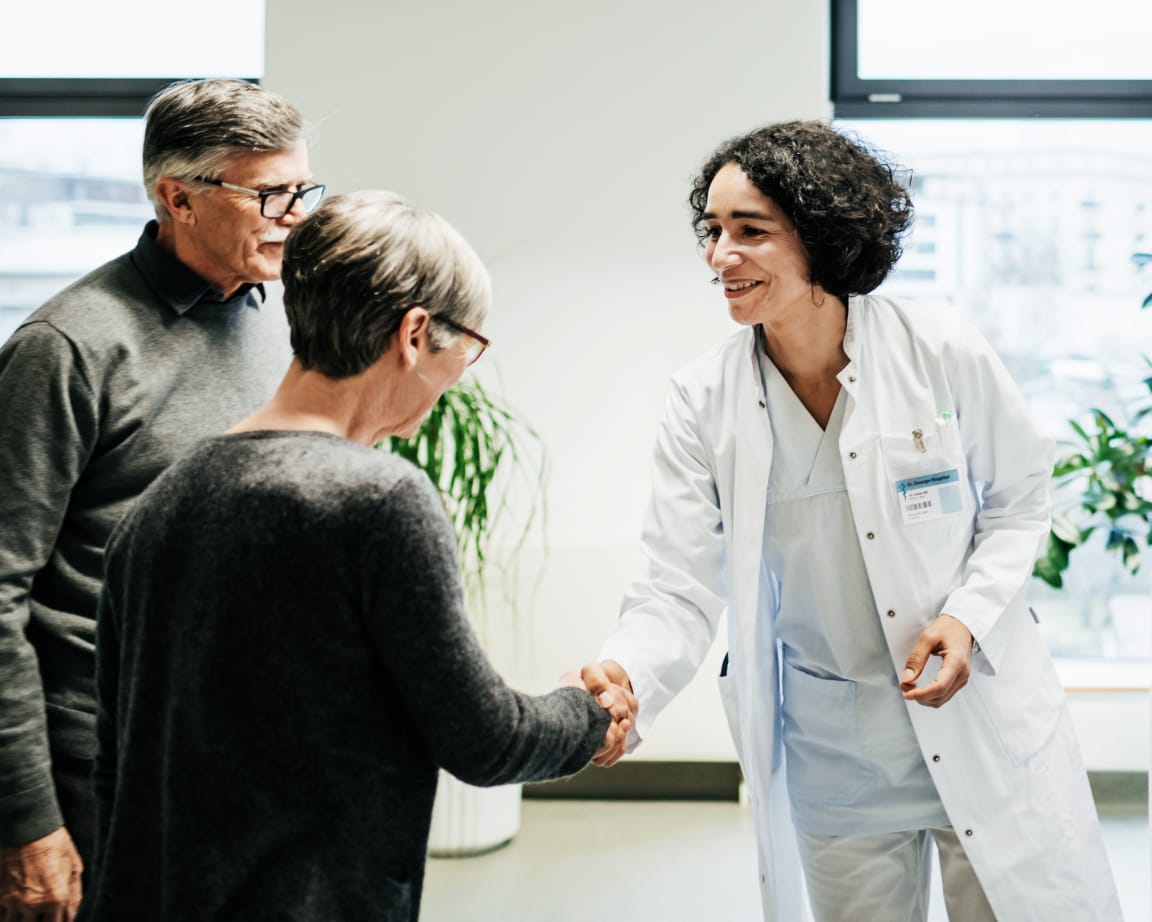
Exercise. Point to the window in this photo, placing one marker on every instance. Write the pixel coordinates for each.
(1036, 226)
(65, 207)
(98, 41)
(71, 195)
(1052, 58)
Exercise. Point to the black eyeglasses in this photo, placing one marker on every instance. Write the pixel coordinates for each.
(479, 345)
(274, 203)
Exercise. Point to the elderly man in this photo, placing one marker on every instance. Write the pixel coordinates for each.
(283, 656)
(100, 390)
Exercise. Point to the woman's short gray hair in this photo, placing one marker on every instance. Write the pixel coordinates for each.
(192, 128)
(355, 266)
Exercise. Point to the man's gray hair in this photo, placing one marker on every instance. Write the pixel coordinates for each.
(355, 266)
(194, 127)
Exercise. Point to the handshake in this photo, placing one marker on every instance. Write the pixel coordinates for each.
(609, 683)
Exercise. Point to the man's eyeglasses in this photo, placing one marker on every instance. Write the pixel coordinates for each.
(274, 203)
(479, 343)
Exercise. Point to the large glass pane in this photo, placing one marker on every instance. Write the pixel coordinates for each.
(211, 38)
(71, 198)
(1036, 229)
(994, 40)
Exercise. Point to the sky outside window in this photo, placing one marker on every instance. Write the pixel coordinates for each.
(997, 40)
(81, 38)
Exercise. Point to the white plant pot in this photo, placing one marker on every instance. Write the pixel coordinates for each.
(468, 820)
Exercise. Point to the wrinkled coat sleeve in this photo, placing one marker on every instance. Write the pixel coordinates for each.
(48, 429)
(670, 616)
(1008, 454)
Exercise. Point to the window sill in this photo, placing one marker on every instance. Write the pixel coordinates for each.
(1107, 676)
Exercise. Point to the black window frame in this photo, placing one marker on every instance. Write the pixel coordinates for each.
(81, 97)
(856, 98)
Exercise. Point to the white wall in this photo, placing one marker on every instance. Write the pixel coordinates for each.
(560, 139)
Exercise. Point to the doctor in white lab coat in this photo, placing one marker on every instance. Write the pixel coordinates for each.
(857, 485)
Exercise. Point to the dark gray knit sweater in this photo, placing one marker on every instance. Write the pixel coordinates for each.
(100, 389)
(283, 663)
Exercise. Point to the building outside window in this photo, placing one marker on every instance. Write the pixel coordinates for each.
(71, 189)
(1031, 172)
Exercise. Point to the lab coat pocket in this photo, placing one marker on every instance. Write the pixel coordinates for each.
(822, 739)
(1022, 703)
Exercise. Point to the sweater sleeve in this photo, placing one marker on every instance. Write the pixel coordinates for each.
(474, 725)
(48, 427)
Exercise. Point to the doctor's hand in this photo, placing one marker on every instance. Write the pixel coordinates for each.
(609, 676)
(952, 642)
(620, 704)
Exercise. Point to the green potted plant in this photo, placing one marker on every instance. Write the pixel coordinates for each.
(1102, 486)
(489, 467)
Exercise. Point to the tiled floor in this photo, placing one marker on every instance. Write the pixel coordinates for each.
(575, 861)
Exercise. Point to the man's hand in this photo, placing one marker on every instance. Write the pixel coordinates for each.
(609, 677)
(952, 642)
(40, 881)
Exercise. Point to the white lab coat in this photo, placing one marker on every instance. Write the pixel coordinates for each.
(1002, 752)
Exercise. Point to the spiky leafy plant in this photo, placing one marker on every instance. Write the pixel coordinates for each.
(475, 449)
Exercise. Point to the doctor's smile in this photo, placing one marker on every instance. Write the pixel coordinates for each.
(739, 289)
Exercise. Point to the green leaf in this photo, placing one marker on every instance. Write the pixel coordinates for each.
(1070, 464)
(1098, 500)
(1079, 430)
(1131, 555)
(1046, 570)
(1058, 551)
(1103, 420)
(1065, 530)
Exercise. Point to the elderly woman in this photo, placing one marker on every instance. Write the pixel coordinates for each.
(858, 483)
(283, 655)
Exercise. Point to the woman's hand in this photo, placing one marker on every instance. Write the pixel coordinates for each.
(608, 677)
(949, 639)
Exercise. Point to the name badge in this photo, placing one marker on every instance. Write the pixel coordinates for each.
(930, 496)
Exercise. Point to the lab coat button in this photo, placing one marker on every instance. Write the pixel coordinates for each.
(967, 832)
(937, 759)
(852, 379)
(852, 455)
(870, 535)
(891, 613)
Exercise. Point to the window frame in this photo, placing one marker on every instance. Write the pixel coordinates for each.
(81, 97)
(856, 98)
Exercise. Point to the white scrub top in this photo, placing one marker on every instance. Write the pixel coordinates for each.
(853, 763)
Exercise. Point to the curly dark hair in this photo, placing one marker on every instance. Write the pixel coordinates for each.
(848, 207)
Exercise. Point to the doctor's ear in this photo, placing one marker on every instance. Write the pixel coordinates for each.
(177, 199)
